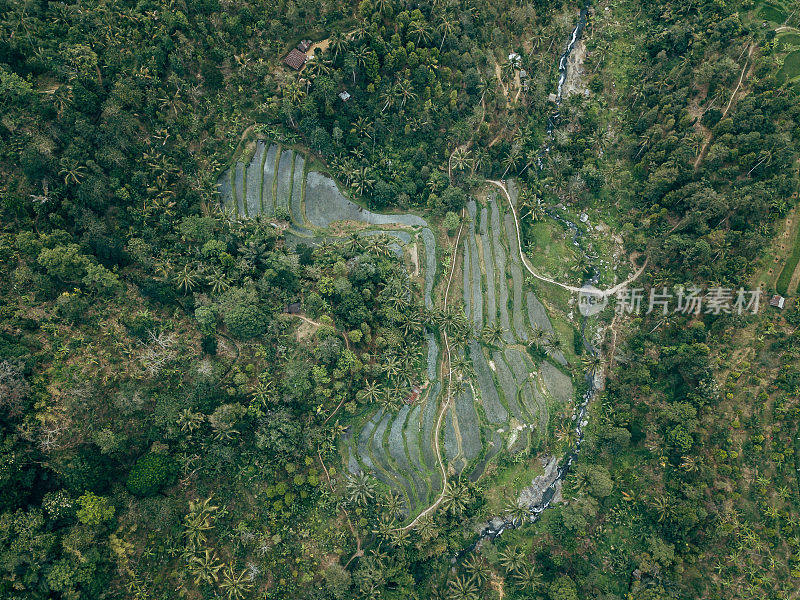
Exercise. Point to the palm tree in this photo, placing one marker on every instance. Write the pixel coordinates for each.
(405, 90)
(511, 160)
(195, 526)
(479, 161)
(385, 525)
(553, 343)
(399, 537)
(411, 323)
(392, 503)
(592, 362)
(462, 365)
(392, 397)
(420, 29)
(484, 86)
(456, 498)
(456, 388)
(355, 241)
(362, 127)
(293, 93)
(493, 333)
(460, 158)
(391, 366)
(362, 181)
(663, 508)
(387, 97)
(370, 393)
(528, 205)
(527, 578)
(318, 67)
(337, 42)
(360, 488)
(205, 567)
(446, 26)
(514, 510)
(264, 392)
(218, 281)
(72, 172)
(461, 588)
(478, 569)
(566, 434)
(235, 584)
(186, 279)
(189, 421)
(509, 69)
(513, 559)
(360, 30)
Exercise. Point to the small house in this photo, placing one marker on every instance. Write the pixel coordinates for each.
(295, 59)
(304, 46)
(777, 301)
(414, 395)
(344, 96)
(293, 308)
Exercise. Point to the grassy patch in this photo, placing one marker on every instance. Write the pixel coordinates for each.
(788, 40)
(549, 252)
(769, 12)
(510, 476)
(791, 67)
(782, 284)
(565, 332)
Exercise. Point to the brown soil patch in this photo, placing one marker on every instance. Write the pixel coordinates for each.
(305, 330)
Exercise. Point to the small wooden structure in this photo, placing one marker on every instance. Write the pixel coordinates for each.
(293, 308)
(296, 59)
(304, 46)
(777, 301)
(414, 395)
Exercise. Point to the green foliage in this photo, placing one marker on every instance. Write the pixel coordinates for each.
(150, 474)
(242, 315)
(94, 510)
(782, 285)
(206, 319)
(451, 222)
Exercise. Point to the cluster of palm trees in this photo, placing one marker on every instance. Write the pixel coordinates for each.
(203, 562)
(550, 342)
(477, 573)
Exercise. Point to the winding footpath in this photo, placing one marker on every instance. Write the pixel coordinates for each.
(446, 404)
(602, 293)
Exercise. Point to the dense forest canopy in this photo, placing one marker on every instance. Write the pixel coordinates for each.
(169, 428)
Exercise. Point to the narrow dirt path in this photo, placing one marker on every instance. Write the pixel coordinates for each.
(359, 551)
(704, 150)
(609, 292)
(499, 73)
(448, 401)
(310, 322)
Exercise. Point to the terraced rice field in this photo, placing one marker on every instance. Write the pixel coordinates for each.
(506, 394)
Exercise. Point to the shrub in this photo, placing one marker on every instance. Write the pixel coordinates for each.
(206, 319)
(94, 509)
(246, 321)
(151, 473)
(451, 222)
